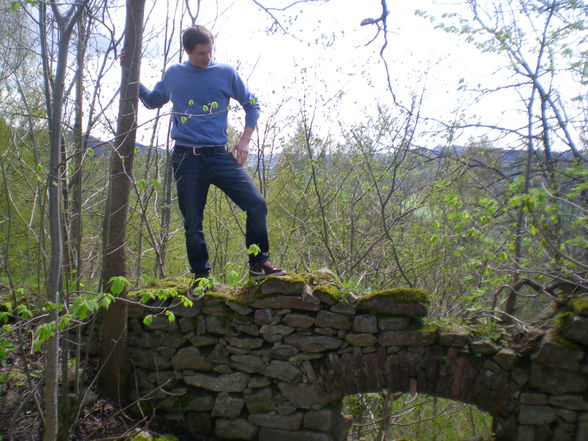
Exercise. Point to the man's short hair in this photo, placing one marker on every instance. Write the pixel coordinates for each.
(196, 35)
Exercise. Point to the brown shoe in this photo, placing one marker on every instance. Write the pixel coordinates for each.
(264, 269)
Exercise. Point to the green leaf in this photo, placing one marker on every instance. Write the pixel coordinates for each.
(253, 249)
(118, 284)
(23, 312)
(186, 302)
(148, 320)
(90, 152)
(183, 119)
(162, 294)
(142, 184)
(214, 105)
(170, 316)
(205, 108)
(106, 300)
(147, 296)
(191, 102)
(232, 277)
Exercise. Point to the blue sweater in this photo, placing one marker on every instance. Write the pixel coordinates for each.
(200, 98)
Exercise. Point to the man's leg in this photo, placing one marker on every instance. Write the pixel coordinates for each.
(192, 181)
(232, 178)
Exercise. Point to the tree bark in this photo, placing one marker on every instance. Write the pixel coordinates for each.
(55, 99)
(114, 320)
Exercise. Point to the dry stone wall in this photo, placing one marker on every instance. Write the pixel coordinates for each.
(275, 363)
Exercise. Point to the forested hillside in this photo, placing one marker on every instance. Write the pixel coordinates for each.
(489, 218)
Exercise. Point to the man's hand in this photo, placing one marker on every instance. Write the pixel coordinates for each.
(241, 149)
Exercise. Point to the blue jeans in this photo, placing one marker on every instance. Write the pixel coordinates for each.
(194, 171)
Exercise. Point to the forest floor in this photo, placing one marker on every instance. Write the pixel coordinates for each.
(99, 419)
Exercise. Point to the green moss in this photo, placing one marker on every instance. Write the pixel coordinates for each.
(288, 278)
(179, 284)
(330, 290)
(400, 295)
(580, 305)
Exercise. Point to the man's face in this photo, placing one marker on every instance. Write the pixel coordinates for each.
(201, 55)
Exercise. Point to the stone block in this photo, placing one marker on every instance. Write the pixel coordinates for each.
(282, 285)
(227, 406)
(388, 306)
(239, 429)
(572, 402)
(186, 325)
(326, 319)
(555, 355)
(267, 434)
(235, 382)
(282, 370)
(305, 396)
(203, 340)
(313, 344)
(260, 401)
(247, 328)
(283, 351)
(285, 422)
(556, 381)
(251, 364)
(258, 381)
(329, 332)
(199, 422)
(197, 401)
(575, 328)
(263, 316)
(506, 358)
(190, 358)
(394, 323)
(319, 420)
(407, 338)
(276, 329)
(526, 433)
(150, 359)
(219, 355)
(563, 432)
(238, 308)
(536, 415)
(361, 340)
(219, 325)
(582, 428)
(344, 308)
(484, 347)
(300, 321)
(218, 310)
(534, 398)
(245, 342)
(289, 302)
(365, 323)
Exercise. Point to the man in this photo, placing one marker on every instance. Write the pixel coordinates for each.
(200, 90)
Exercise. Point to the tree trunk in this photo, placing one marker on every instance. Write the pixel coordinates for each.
(55, 99)
(114, 320)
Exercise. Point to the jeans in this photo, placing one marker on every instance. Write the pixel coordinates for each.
(194, 171)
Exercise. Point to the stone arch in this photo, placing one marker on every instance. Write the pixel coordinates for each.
(274, 362)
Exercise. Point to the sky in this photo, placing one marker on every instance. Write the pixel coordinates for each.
(326, 66)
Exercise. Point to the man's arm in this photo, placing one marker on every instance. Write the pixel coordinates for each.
(241, 148)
